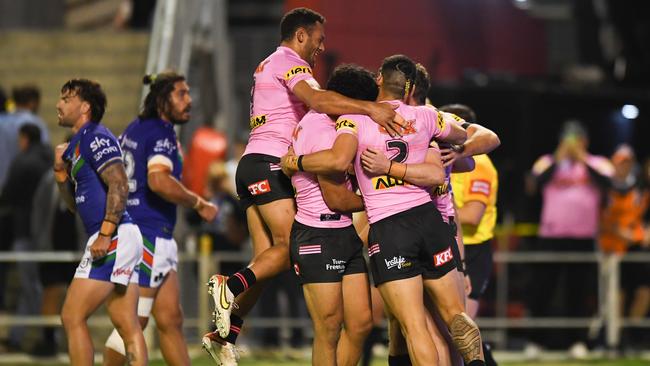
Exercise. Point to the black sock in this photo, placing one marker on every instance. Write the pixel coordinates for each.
(373, 338)
(487, 352)
(235, 327)
(399, 360)
(241, 281)
(476, 363)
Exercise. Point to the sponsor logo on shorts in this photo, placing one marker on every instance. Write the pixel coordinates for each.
(80, 199)
(84, 263)
(398, 262)
(386, 182)
(257, 121)
(337, 265)
(346, 124)
(124, 271)
(373, 249)
(309, 249)
(297, 70)
(442, 257)
(133, 202)
(296, 268)
(260, 187)
(480, 186)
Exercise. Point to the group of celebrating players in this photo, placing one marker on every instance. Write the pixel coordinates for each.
(310, 151)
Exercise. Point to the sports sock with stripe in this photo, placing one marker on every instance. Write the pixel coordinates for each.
(241, 281)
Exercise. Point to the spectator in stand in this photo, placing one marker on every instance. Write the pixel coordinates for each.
(622, 231)
(135, 14)
(24, 175)
(27, 101)
(572, 183)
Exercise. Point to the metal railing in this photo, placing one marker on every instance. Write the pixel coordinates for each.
(608, 314)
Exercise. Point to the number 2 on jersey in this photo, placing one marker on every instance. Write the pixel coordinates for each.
(402, 148)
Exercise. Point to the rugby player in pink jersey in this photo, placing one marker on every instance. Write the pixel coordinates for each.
(480, 140)
(326, 252)
(410, 246)
(284, 89)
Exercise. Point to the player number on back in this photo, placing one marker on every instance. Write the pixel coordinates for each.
(129, 166)
(402, 148)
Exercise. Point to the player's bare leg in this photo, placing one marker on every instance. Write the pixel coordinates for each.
(276, 219)
(447, 293)
(122, 307)
(398, 350)
(169, 321)
(84, 296)
(324, 302)
(405, 300)
(357, 319)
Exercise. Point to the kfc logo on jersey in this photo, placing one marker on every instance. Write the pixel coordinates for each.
(442, 257)
(260, 187)
(99, 143)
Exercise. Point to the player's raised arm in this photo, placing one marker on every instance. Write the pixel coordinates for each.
(332, 103)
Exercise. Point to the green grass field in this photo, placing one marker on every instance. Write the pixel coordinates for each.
(252, 362)
(276, 361)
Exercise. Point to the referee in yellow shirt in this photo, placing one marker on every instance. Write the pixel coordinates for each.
(475, 196)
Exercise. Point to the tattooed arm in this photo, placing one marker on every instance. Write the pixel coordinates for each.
(114, 177)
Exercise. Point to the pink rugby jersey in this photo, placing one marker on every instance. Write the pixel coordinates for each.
(315, 132)
(275, 110)
(383, 195)
(442, 195)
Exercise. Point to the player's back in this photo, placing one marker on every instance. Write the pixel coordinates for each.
(383, 195)
(141, 141)
(275, 110)
(315, 132)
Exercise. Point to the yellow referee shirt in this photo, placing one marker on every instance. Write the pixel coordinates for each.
(481, 184)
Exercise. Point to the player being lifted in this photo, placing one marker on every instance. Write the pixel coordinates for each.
(153, 166)
(284, 89)
(108, 270)
(409, 243)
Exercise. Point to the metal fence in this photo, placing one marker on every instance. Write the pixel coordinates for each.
(207, 263)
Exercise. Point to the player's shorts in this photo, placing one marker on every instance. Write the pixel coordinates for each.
(321, 255)
(260, 180)
(120, 264)
(159, 257)
(453, 227)
(478, 263)
(411, 243)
